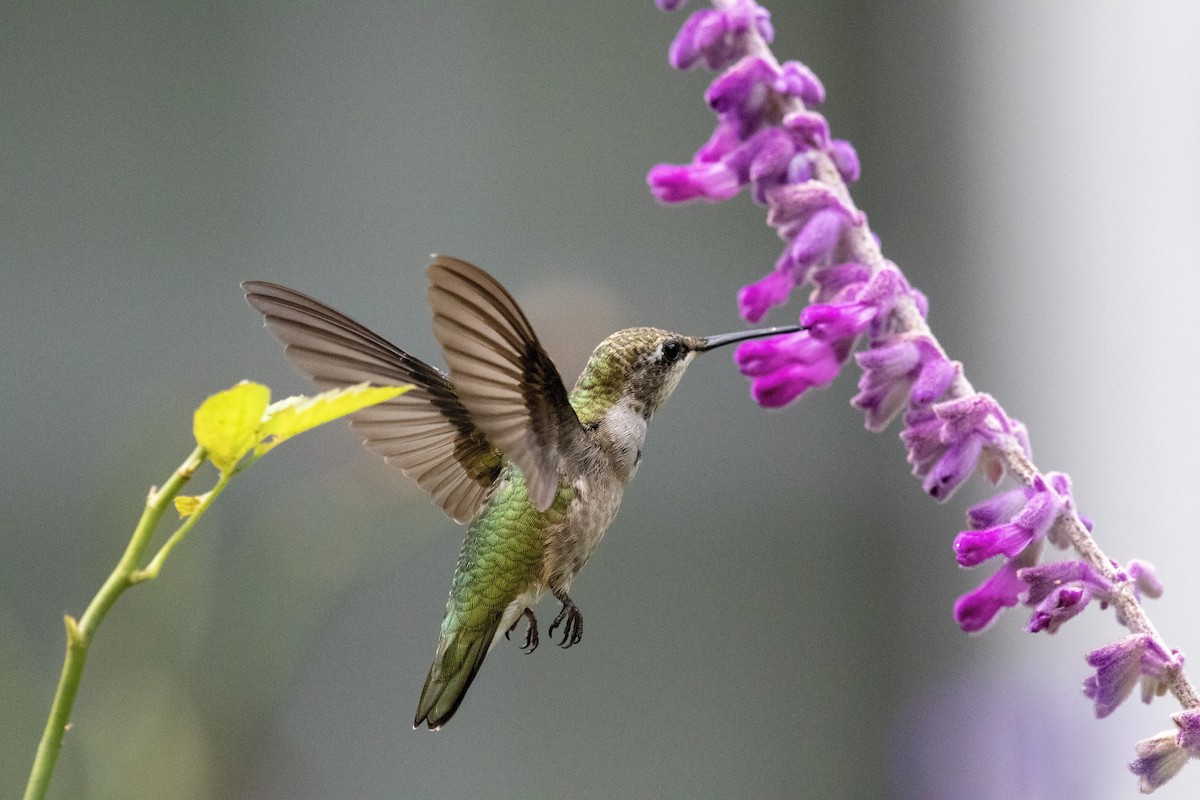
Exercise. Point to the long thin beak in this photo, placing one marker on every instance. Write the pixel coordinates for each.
(722, 339)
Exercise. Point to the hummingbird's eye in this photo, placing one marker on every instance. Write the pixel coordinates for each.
(671, 351)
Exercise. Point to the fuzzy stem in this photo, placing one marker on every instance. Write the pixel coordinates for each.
(81, 633)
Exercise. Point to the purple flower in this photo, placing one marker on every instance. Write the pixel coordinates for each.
(946, 441)
(756, 299)
(718, 38)
(846, 160)
(1145, 580)
(1188, 737)
(998, 508)
(840, 281)
(724, 140)
(1031, 523)
(1044, 579)
(972, 548)
(1119, 667)
(742, 94)
(834, 321)
(1159, 758)
(797, 80)
(809, 126)
(1059, 606)
(783, 367)
(676, 184)
(899, 370)
(977, 609)
(792, 208)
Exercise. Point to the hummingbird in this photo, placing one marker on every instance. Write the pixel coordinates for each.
(535, 471)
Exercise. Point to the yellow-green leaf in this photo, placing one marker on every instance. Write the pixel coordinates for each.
(186, 505)
(294, 415)
(227, 424)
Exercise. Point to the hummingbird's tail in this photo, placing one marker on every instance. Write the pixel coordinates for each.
(459, 655)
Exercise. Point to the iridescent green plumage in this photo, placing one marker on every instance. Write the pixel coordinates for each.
(500, 560)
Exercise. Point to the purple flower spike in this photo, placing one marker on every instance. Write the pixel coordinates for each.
(770, 137)
(977, 609)
(677, 184)
(756, 299)
(1159, 758)
(669, 5)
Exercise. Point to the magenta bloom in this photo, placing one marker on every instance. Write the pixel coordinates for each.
(977, 609)
(1119, 667)
(785, 366)
(1161, 757)
(717, 37)
(711, 182)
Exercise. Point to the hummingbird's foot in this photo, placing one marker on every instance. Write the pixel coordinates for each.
(573, 629)
(531, 634)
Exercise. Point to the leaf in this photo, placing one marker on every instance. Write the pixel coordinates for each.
(227, 424)
(294, 415)
(186, 505)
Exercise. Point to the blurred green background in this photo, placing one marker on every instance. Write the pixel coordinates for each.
(769, 616)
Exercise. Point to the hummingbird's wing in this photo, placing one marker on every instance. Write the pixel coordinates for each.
(501, 373)
(425, 431)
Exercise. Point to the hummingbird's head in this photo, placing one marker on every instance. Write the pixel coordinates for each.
(642, 366)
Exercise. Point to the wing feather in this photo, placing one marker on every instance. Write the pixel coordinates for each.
(503, 377)
(426, 432)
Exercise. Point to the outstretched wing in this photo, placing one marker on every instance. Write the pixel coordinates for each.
(426, 431)
(503, 377)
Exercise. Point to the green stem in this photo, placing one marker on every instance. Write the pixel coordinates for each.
(155, 566)
(80, 634)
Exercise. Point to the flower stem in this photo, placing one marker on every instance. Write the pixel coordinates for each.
(80, 633)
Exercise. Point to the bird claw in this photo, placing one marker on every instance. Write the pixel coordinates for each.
(573, 629)
(531, 633)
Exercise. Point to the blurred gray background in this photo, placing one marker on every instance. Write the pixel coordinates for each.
(769, 616)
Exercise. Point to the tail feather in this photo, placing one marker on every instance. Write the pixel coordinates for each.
(453, 669)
